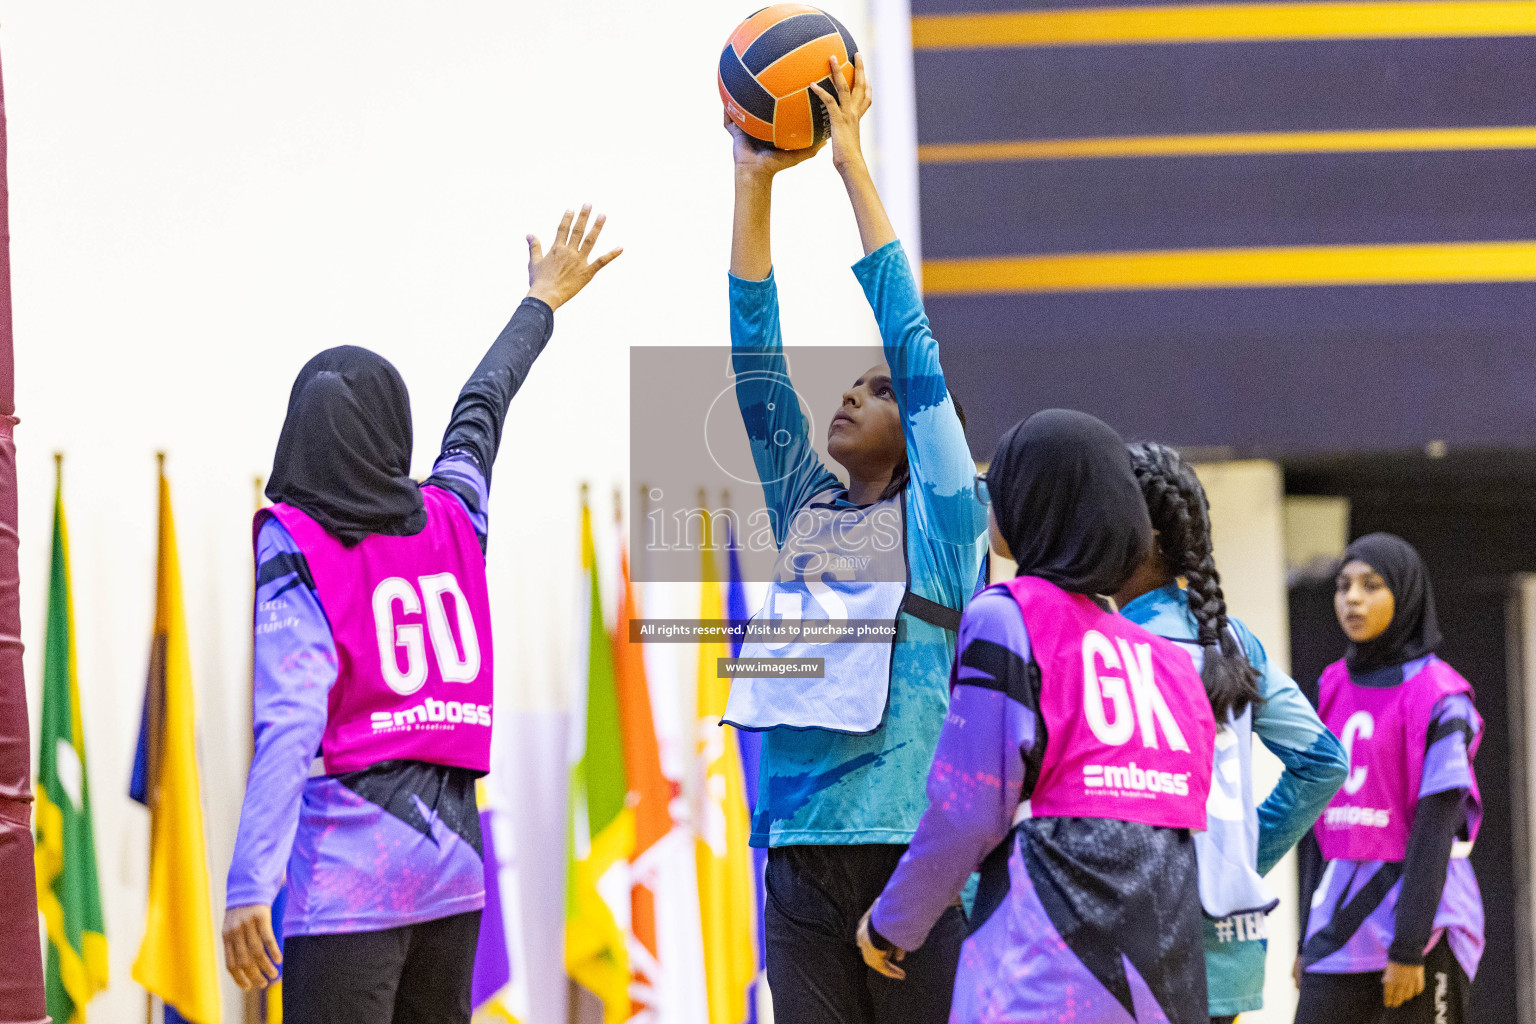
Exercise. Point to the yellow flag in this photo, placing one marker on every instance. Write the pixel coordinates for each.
(176, 960)
(727, 906)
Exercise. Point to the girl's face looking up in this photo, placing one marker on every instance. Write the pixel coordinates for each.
(1363, 602)
(865, 434)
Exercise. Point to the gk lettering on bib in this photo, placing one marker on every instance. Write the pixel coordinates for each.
(410, 619)
(1129, 732)
(1384, 731)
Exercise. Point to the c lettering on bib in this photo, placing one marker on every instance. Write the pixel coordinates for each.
(1150, 707)
(407, 636)
(1359, 725)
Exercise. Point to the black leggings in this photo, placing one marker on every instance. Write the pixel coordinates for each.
(816, 896)
(1356, 998)
(414, 974)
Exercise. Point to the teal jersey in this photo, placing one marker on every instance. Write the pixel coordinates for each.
(1315, 767)
(817, 786)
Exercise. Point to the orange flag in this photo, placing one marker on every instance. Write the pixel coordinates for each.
(650, 791)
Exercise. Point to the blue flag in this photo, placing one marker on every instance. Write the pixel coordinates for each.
(751, 751)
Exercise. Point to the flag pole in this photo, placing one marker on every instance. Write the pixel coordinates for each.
(253, 1000)
(151, 788)
(21, 976)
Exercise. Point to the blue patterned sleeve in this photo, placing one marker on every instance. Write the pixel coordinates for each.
(939, 459)
(1314, 761)
(295, 662)
(787, 464)
(977, 778)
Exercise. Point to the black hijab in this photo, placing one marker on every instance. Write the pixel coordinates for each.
(344, 456)
(1413, 631)
(1067, 502)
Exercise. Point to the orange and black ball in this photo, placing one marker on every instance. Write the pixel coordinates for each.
(768, 65)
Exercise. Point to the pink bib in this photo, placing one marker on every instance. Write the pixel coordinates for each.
(1129, 732)
(1384, 730)
(412, 627)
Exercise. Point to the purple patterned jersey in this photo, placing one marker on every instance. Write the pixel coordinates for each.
(391, 845)
(1353, 917)
(1089, 920)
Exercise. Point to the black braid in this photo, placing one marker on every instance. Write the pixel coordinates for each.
(1182, 516)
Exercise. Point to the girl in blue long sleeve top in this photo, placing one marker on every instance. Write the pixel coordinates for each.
(841, 783)
(1250, 695)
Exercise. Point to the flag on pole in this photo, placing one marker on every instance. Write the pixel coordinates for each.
(727, 907)
(67, 890)
(271, 997)
(176, 960)
(751, 746)
(650, 795)
(265, 1006)
(602, 826)
(493, 962)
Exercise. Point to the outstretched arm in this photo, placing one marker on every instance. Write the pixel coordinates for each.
(756, 164)
(938, 456)
(845, 109)
(791, 470)
(554, 278)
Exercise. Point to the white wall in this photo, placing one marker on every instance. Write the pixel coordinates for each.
(1248, 536)
(202, 196)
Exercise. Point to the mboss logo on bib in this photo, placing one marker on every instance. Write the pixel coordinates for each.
(428, 711)
(1133, 779)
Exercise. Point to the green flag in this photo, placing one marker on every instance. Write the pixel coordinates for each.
(602, 825)
(67, 892)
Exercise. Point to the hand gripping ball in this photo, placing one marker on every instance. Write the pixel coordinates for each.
(768, 65)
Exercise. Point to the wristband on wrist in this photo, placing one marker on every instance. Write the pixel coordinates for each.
(879, 941)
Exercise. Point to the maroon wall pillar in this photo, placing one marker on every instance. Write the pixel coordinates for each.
(21, 966)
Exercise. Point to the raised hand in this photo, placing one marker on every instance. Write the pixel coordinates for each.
(555, 277)
(758, 159)
(845, 109)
